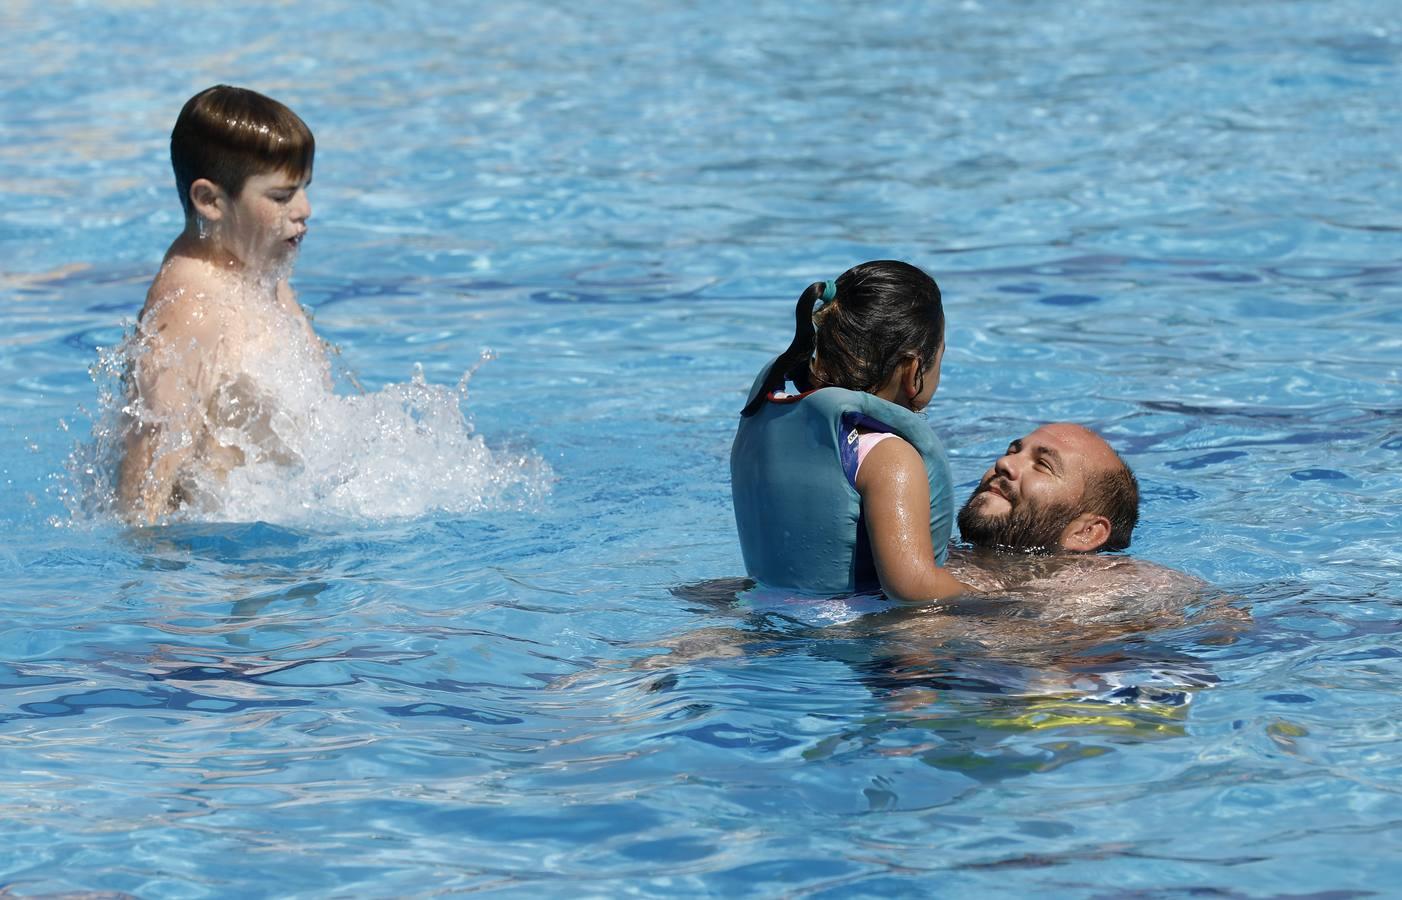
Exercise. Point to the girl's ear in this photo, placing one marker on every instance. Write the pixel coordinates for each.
(912, 379)
(208, 199)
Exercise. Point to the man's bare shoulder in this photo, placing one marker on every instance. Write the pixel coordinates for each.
(1086, 585)
(1117, 569)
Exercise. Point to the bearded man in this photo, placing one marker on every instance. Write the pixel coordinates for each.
(1038, 519)
(1059, 488)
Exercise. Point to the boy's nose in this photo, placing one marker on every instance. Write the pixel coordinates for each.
(301, 206)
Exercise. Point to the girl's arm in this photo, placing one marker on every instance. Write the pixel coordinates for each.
(896, 500)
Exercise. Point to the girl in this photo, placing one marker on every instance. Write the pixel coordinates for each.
(842, 487)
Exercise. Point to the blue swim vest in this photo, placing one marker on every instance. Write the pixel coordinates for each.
(793, 483)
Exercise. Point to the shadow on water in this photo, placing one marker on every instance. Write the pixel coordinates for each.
(160, 698)
(232, 544)
(244, 567)
(994, 688)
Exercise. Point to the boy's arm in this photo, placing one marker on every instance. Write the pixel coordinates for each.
(896, 501)
(170, 390)
(287, 298)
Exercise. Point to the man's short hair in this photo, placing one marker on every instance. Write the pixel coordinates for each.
(1114, 494)
(229, 134)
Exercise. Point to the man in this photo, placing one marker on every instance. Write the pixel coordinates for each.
(1035, 521)
(1059, 488)
(1040, 514)
(1043, 600)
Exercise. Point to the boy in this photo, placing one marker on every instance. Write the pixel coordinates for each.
(221, 326)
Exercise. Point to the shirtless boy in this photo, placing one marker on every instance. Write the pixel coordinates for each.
(220, 323)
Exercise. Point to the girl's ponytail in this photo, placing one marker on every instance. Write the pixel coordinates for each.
(793, 362)
(888, 312)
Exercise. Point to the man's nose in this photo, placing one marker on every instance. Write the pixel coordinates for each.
(1007, 466)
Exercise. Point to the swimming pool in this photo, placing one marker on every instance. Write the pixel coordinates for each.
(1177, 224)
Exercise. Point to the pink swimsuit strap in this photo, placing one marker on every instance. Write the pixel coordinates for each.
(865, 442)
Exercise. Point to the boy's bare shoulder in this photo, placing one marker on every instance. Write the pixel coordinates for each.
(184, 301)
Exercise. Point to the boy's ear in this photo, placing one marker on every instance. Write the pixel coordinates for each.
(208, 199)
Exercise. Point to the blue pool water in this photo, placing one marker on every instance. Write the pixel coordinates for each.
(1177, 223)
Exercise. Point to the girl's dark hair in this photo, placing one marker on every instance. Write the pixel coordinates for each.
(884, 313)
(229, 134)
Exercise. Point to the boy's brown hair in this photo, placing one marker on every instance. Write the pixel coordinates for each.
(228, 134)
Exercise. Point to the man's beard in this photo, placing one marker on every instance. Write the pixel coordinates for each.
(1020, 528)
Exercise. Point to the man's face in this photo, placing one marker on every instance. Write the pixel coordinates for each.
(1034, 492)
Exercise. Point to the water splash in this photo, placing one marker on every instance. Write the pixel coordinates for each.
(310, 454)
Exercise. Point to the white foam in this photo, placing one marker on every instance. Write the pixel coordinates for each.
(406, 450)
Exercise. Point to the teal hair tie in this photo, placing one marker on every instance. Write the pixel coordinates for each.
(829, 290)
